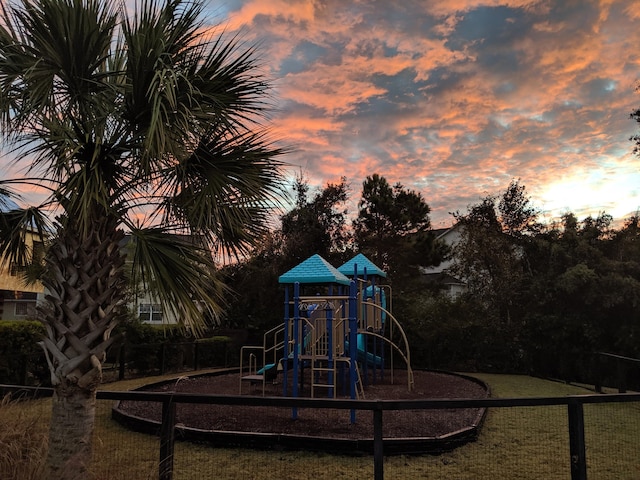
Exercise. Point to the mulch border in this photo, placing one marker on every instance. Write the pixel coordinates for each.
(279, 441)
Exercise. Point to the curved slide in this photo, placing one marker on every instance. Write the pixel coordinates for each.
(364, 355)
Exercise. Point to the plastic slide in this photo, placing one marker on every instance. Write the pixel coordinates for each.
(363, 355)
(269, 371)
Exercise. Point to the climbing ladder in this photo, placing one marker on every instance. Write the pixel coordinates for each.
(330, 374)
(326, 352)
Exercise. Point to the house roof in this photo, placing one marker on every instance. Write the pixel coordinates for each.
(314, 270)
(361, 262)
(6, 204)
(441, 232)
(442, 278)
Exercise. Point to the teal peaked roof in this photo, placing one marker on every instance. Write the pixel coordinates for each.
(314, 269)
(362, 262)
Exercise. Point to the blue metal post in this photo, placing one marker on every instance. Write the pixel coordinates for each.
(353, 332)
(285, 354)
(364, 323)
(329, 317)
(296, 340)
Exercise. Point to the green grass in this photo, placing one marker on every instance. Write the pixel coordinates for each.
(515, 443)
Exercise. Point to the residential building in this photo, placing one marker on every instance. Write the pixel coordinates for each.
(17, 299)
(440, 274)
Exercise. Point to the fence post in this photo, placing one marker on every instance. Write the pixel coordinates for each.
(576, 442)
(622, 375)
(378, 446)
(596, 368)
(122, 357)
(162, 360)
(167, 440)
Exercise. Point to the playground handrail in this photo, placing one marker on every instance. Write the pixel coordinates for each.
(407, 358)
(273, 347)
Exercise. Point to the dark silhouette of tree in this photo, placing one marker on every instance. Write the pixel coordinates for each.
(393, 228)
(316, 225)
(490, 256)
(518, 217)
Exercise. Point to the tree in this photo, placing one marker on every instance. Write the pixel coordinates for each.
(635, 115)
(393, 227)
(518, 217)
(316, 225)
(132, 122)
(491, 255)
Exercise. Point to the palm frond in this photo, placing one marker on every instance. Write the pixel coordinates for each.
(159, 99)
(121, 113)
(15, 226)
(226, 189)
(51, 53)
(179, 271)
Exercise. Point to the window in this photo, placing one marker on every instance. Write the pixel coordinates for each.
(16, 270)
(22, 309)
(150, 312)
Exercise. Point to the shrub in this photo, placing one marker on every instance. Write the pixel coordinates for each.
(216, 351)
(156, 348)
(22, 361)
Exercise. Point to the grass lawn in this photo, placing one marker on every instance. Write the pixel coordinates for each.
(514, 443)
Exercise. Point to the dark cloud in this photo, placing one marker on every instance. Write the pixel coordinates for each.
(490, 27)
(303, 54)
(455, 97)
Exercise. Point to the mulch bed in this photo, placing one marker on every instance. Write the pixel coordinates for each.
(322, 422)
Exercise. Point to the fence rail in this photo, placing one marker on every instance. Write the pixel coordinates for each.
(623, 371)
(576, 429)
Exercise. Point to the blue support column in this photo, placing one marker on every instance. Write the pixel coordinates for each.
(285, 354)
(373, 321)
(330, 360)
(296, 340)
(364, 297)
(353, 334)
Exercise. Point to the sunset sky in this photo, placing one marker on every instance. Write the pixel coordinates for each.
(455, 98)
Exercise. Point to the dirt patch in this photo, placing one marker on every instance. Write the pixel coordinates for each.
(322, 422)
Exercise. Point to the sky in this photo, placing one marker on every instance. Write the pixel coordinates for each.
(456, 98)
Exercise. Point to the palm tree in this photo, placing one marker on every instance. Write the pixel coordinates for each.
(136, 122)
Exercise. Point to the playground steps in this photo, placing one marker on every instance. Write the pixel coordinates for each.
(320, 370)
(359, 385)
(325, 372)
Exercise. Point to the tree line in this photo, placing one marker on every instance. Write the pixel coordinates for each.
(551, 294)
(392, 229)
(540, 297)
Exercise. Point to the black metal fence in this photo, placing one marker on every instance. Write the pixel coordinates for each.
(161, 358)
(616, 371)
(576, 458)
(132, 361)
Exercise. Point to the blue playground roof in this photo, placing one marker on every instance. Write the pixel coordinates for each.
(316, 270)
(362, 262)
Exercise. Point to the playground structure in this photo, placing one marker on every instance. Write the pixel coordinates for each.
(338, 325)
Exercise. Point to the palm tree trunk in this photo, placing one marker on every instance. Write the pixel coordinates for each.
(74, 413)
(86, 290)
